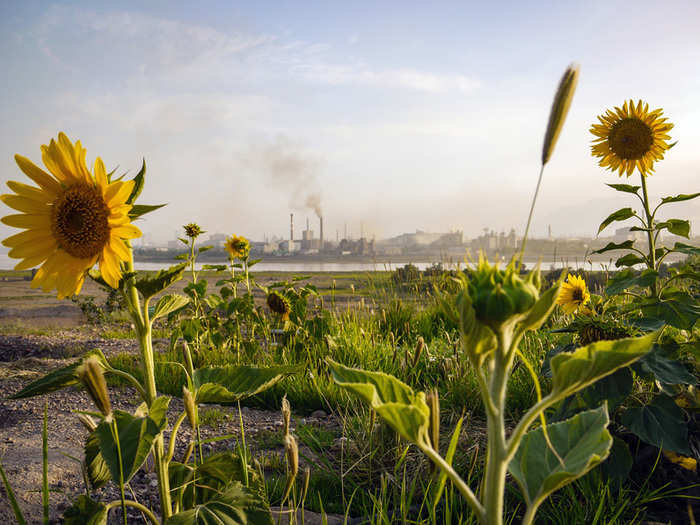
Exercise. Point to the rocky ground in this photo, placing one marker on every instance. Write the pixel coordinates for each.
(24, 358)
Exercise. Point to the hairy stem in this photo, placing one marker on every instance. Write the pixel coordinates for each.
(650, 236)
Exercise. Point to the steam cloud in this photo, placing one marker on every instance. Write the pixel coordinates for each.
(289, 168)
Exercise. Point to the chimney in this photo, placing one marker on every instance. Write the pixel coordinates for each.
(320, 244)
(291, 226)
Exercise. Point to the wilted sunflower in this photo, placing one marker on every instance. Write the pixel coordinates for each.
(73, 220)
(279, 304)
(237, 247)
(631, 137)
(573, 294)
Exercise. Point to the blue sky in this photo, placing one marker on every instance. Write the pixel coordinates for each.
(397, 115)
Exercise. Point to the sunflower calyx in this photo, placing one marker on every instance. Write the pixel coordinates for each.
(500, 295)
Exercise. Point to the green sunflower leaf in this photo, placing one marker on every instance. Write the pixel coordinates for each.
(581, 442)
(627, 279)
(394, 401)
(629, 260)
(168, 304)
(227, 384)
(686, 248)
(675, 226)
(150, 286)
(626, 188)
(660, 423)
(680, 198)
(61, 378)
(620, 215)
(616, 246)
(142, 209)
(139, 181)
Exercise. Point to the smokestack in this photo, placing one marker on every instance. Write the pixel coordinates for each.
(291, 226)
(320, 244)
(307, 224)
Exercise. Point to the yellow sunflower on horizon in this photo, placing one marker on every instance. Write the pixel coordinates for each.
(72, 221)
(631, 137)
(573, 294)
(237, 246)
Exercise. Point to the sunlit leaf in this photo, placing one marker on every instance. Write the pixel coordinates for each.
(61, 378)
(150, 286)
(675, 226)
(227, 384)
(139, 210)
(626, 188)
(168, 304)
(395, 402)
(139, 181)
(574, 371)
(582, 442)
(616, 246)
(679, 198)
(620, 215)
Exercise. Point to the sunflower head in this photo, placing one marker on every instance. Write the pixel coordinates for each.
(631, 137)
(193, 230)
(573, 294)
(238, 247)
(279, 304)
(498, 295)
(72, 219)
(593, 329)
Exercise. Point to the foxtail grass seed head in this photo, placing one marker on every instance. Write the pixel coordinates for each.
(92, 376)
(193, 230)
(286, 414)
(87, 422)
(420, 346)
(560, 108)
(190, 406)
(291, 451)
(433, 402)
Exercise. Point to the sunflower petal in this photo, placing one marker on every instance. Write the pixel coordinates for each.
(43, 179)
(25, 204)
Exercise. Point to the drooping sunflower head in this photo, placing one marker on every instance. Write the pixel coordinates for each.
(631, 137)
(594, 329)
(237, 247)
(279, 304)
(72, 220)
(193, 230)
(573, 294)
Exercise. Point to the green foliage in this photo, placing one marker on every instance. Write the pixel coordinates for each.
(85, 511)
(581, 443)
(150, 286)
(660, 423)
(233, 383)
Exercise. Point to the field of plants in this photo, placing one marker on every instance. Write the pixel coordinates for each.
(486, 395)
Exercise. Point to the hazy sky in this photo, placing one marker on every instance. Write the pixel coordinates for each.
(401, 115)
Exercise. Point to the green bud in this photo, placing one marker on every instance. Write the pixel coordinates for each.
(498, 295)
(92, 376)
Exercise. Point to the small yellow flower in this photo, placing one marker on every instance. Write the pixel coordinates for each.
(237, 247)
(573, 294)
(631, 137)
(72, 221)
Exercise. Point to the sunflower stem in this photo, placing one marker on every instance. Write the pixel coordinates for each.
(529, 218)
(651, 260)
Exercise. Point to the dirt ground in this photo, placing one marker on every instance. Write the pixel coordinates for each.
(38, 333)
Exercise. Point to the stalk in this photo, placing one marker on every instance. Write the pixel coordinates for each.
(650, 236)
(529, 217)
(143, 332)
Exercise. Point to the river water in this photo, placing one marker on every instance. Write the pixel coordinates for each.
(300, 267)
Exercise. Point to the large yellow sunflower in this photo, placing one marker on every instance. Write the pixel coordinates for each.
(73, 220)
(631, 137)
(573, 294)
(237, 246)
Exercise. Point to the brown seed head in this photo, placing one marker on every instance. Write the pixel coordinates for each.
(92, 376)
(560, 108)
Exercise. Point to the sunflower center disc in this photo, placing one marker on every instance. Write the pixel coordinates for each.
(578, 295)
(79, 221)
(630, 139)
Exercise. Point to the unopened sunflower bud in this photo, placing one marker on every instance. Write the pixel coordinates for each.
(433, 402)
(420, 345)
(87, 422)
(286, 414)
(92, 376)
(193, 230)
(560, 108)
(190, 406)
